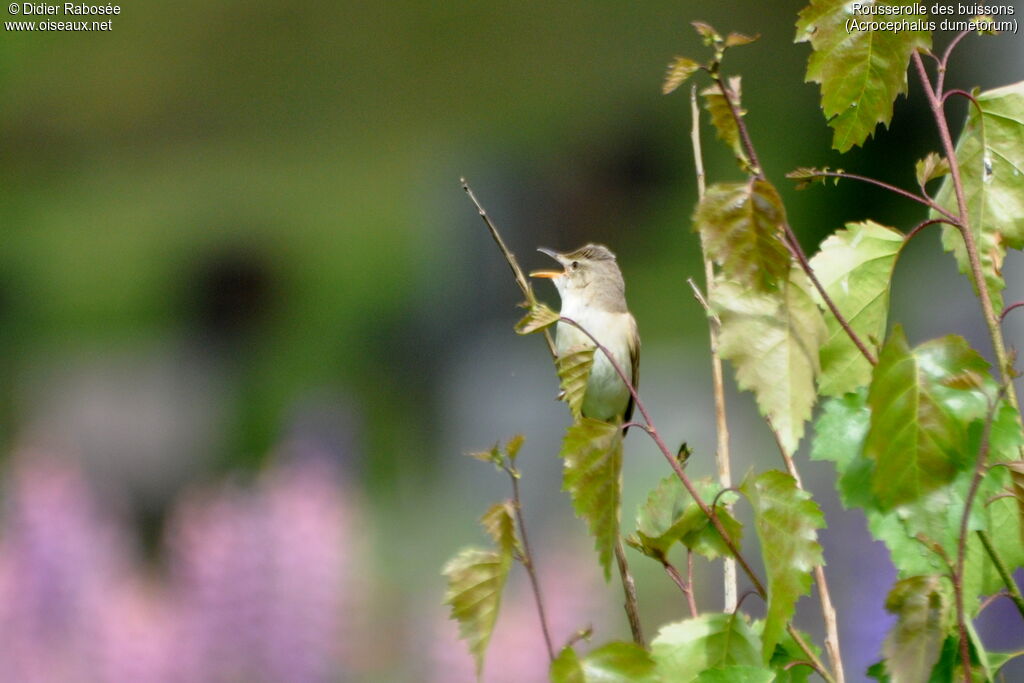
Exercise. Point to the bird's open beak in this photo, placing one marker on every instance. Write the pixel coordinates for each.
(549, 273)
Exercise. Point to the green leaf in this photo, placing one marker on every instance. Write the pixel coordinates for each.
(990, 154)
(839, 436)
(684, 649)
(918, 433)
(721, 115)
(772, 340)
(736, 674)
(741, 228)
(475, 580)
(613, 663)
(567, 668)
(671, 515)
(513, 446)
(592, 457)
(931, 167)
(573, 372)
(787, 523)
(538, 318)
(789, 661)
(855, 267)
(499, 523)
(861, 72)
(922, 609)
(679, 70)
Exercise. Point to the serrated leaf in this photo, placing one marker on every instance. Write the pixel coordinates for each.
(772, 340)
(990, 154)
(475, 580)
(592, 471)
(855, 267)
(684, 649)
(538, 318)
(931, 167)
(679, 70)
(860, 72)
(721, 115)
(787, 523)
(913, 645)
(736, 674)
(499, 523)
(670, 515)
(741, 228)
(573, 372)
(918, 433)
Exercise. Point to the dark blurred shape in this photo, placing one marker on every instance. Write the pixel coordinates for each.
(611, 181)
(231, 292)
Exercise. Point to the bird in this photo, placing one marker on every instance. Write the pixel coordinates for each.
(593, 294)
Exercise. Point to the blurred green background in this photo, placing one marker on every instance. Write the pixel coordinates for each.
(226, 222)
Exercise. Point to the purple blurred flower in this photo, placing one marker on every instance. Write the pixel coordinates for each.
(260, 575)
(259, 588)
(60, 561)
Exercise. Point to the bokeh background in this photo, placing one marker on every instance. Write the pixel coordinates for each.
(250, 324)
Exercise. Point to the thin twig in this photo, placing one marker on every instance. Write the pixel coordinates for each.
(1012, 589)
(684, 585)
(631, 605)
(517, 272)
(927, 201)
(922, 225)
(943, 64)
(528, 563)
(1009, 308)
(722, 460)
(748, 144)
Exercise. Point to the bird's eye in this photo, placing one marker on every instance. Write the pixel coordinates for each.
(575, 265)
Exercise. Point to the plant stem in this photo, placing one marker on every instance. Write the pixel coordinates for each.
(676, 467)
(931, 204)
(629, 589)
(527, 561)
(517, 272)
(1012, 589)
(722, 464)
(922, 225)
(684, 585)
(964, 225)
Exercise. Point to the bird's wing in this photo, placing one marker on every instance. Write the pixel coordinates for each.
(634, 357)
